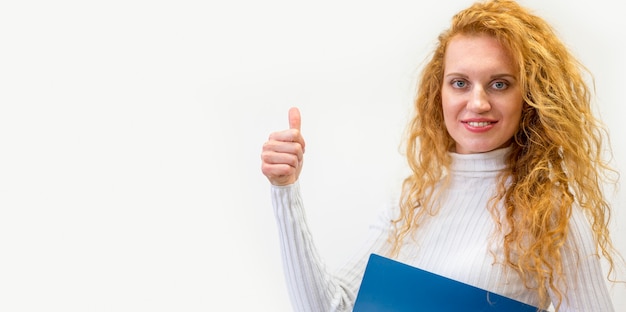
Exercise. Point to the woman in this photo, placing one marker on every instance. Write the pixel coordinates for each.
(507, 196)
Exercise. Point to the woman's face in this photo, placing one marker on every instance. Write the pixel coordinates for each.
(481, 96)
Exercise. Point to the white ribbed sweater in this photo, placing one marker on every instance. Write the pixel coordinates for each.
(456, 243)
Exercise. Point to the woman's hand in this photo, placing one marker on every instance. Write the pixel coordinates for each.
(283, 153)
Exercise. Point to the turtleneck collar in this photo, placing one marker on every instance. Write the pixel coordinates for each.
(493, 161)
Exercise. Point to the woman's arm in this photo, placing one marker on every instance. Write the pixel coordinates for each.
(585, 283)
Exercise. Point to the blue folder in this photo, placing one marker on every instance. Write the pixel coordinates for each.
(392, 286)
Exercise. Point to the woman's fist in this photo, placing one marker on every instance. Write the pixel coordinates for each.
(283, 153)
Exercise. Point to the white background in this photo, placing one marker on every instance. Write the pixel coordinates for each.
(131, 132)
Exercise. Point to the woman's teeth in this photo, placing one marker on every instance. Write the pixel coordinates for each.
(479, 123)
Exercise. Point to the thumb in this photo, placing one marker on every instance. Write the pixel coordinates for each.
(294, 118)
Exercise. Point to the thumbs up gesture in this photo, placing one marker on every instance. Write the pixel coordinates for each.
(283, 153)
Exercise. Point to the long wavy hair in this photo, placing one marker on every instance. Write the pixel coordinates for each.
(556, 158)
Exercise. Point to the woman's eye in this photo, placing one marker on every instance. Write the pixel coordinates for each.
(500, 85)
(459, 83)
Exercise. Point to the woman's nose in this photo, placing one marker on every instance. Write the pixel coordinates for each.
(478, 101)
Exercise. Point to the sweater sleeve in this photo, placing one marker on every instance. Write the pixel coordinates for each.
(310, 285)
(585, 285)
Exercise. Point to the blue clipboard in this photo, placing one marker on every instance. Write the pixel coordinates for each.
(392, 286)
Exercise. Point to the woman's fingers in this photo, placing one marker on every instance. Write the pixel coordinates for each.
(283, 152)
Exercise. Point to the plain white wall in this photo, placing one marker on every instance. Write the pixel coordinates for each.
(131, 131)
